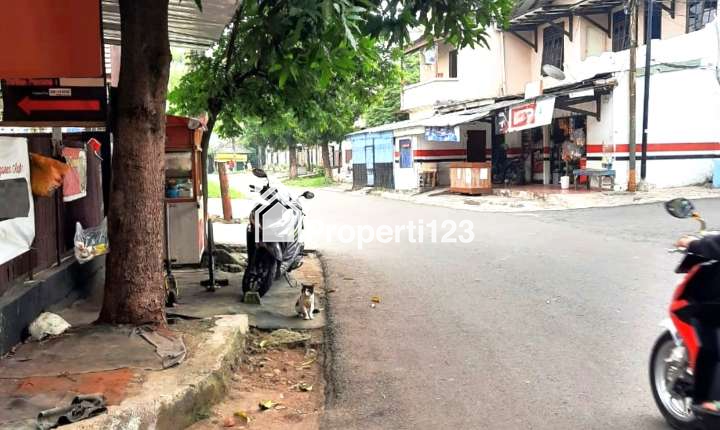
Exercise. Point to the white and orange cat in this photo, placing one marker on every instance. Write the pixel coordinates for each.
(305, 305)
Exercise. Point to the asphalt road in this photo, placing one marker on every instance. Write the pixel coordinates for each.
(543, 321)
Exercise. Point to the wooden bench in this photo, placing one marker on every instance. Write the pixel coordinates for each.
(598, 173)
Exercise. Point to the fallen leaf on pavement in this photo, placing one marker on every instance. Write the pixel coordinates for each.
(303, 386)
(243, 416)
(267, 404)
(375, 299)
(309, 362)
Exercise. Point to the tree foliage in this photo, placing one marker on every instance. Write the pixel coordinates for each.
(320, 62)
(384, 106)
(291, 49)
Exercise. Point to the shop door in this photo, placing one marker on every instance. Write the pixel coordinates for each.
(370, 165)
(476, 146)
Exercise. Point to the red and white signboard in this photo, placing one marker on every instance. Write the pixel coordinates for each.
(530, 115)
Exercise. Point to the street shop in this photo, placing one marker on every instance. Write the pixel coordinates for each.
(183, 189)
(415, 154)
(543, 140)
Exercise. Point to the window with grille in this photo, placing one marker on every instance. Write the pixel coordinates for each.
(620, 31)
(553, 47)
(699, 13)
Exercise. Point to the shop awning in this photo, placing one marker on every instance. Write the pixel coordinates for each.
(572, 98)
(446, 120)
(187, 26)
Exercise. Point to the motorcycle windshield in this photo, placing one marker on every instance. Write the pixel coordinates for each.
(278, 215)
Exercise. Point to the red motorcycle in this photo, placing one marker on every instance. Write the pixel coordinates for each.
(684, 364)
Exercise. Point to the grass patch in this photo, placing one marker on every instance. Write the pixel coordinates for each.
(314, 181)
(214, 190)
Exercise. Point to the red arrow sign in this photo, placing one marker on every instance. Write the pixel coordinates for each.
(29, 105)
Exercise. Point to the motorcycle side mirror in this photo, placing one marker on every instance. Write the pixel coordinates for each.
(260, 173)
(308, 195)
(680, 208)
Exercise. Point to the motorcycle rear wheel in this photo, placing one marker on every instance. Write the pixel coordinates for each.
(260, 276)
(513, 174)
(676, 411)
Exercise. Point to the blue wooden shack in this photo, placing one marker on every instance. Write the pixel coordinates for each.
(372, 157)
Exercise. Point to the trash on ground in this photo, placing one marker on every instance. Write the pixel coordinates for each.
(283, 337)
(170, 349)
(47, 324)
(267, 404)
(81, 407)
(375, 299)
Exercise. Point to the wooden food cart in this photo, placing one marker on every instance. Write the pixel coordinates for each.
(183, 189)
(471, 178)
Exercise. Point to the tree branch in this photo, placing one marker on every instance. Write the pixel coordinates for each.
(233, 36)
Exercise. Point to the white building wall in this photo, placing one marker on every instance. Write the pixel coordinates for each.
(480, 75)
(436, 156)
(406, 178)
(684, 112)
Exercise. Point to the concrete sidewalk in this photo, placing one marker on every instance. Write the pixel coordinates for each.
(112, 362)
(523, 200)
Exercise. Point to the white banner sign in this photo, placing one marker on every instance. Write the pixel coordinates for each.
(530, 115)
(17, 215)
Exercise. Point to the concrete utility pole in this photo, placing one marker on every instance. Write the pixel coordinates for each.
(646, 103)
(632, 185)
(225, 192)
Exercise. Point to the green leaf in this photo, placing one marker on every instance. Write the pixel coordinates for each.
(284, 74)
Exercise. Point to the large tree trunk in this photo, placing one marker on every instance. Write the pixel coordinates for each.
(134, 291)
(326, 160)
(292, 154)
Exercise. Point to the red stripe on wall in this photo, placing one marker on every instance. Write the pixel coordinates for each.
(436, 153)
(661, 147)
(439, 152)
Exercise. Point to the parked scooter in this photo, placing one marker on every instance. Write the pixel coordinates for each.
(680, 370)
(509, 171)
(274, 248)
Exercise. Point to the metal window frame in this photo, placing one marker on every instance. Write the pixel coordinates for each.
(561, 35)
(687, 15)
(612, 26)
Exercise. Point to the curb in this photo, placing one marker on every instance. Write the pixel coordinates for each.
(548, 203)
(178, 397)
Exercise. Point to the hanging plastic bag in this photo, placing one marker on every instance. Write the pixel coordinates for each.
(91, 242)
